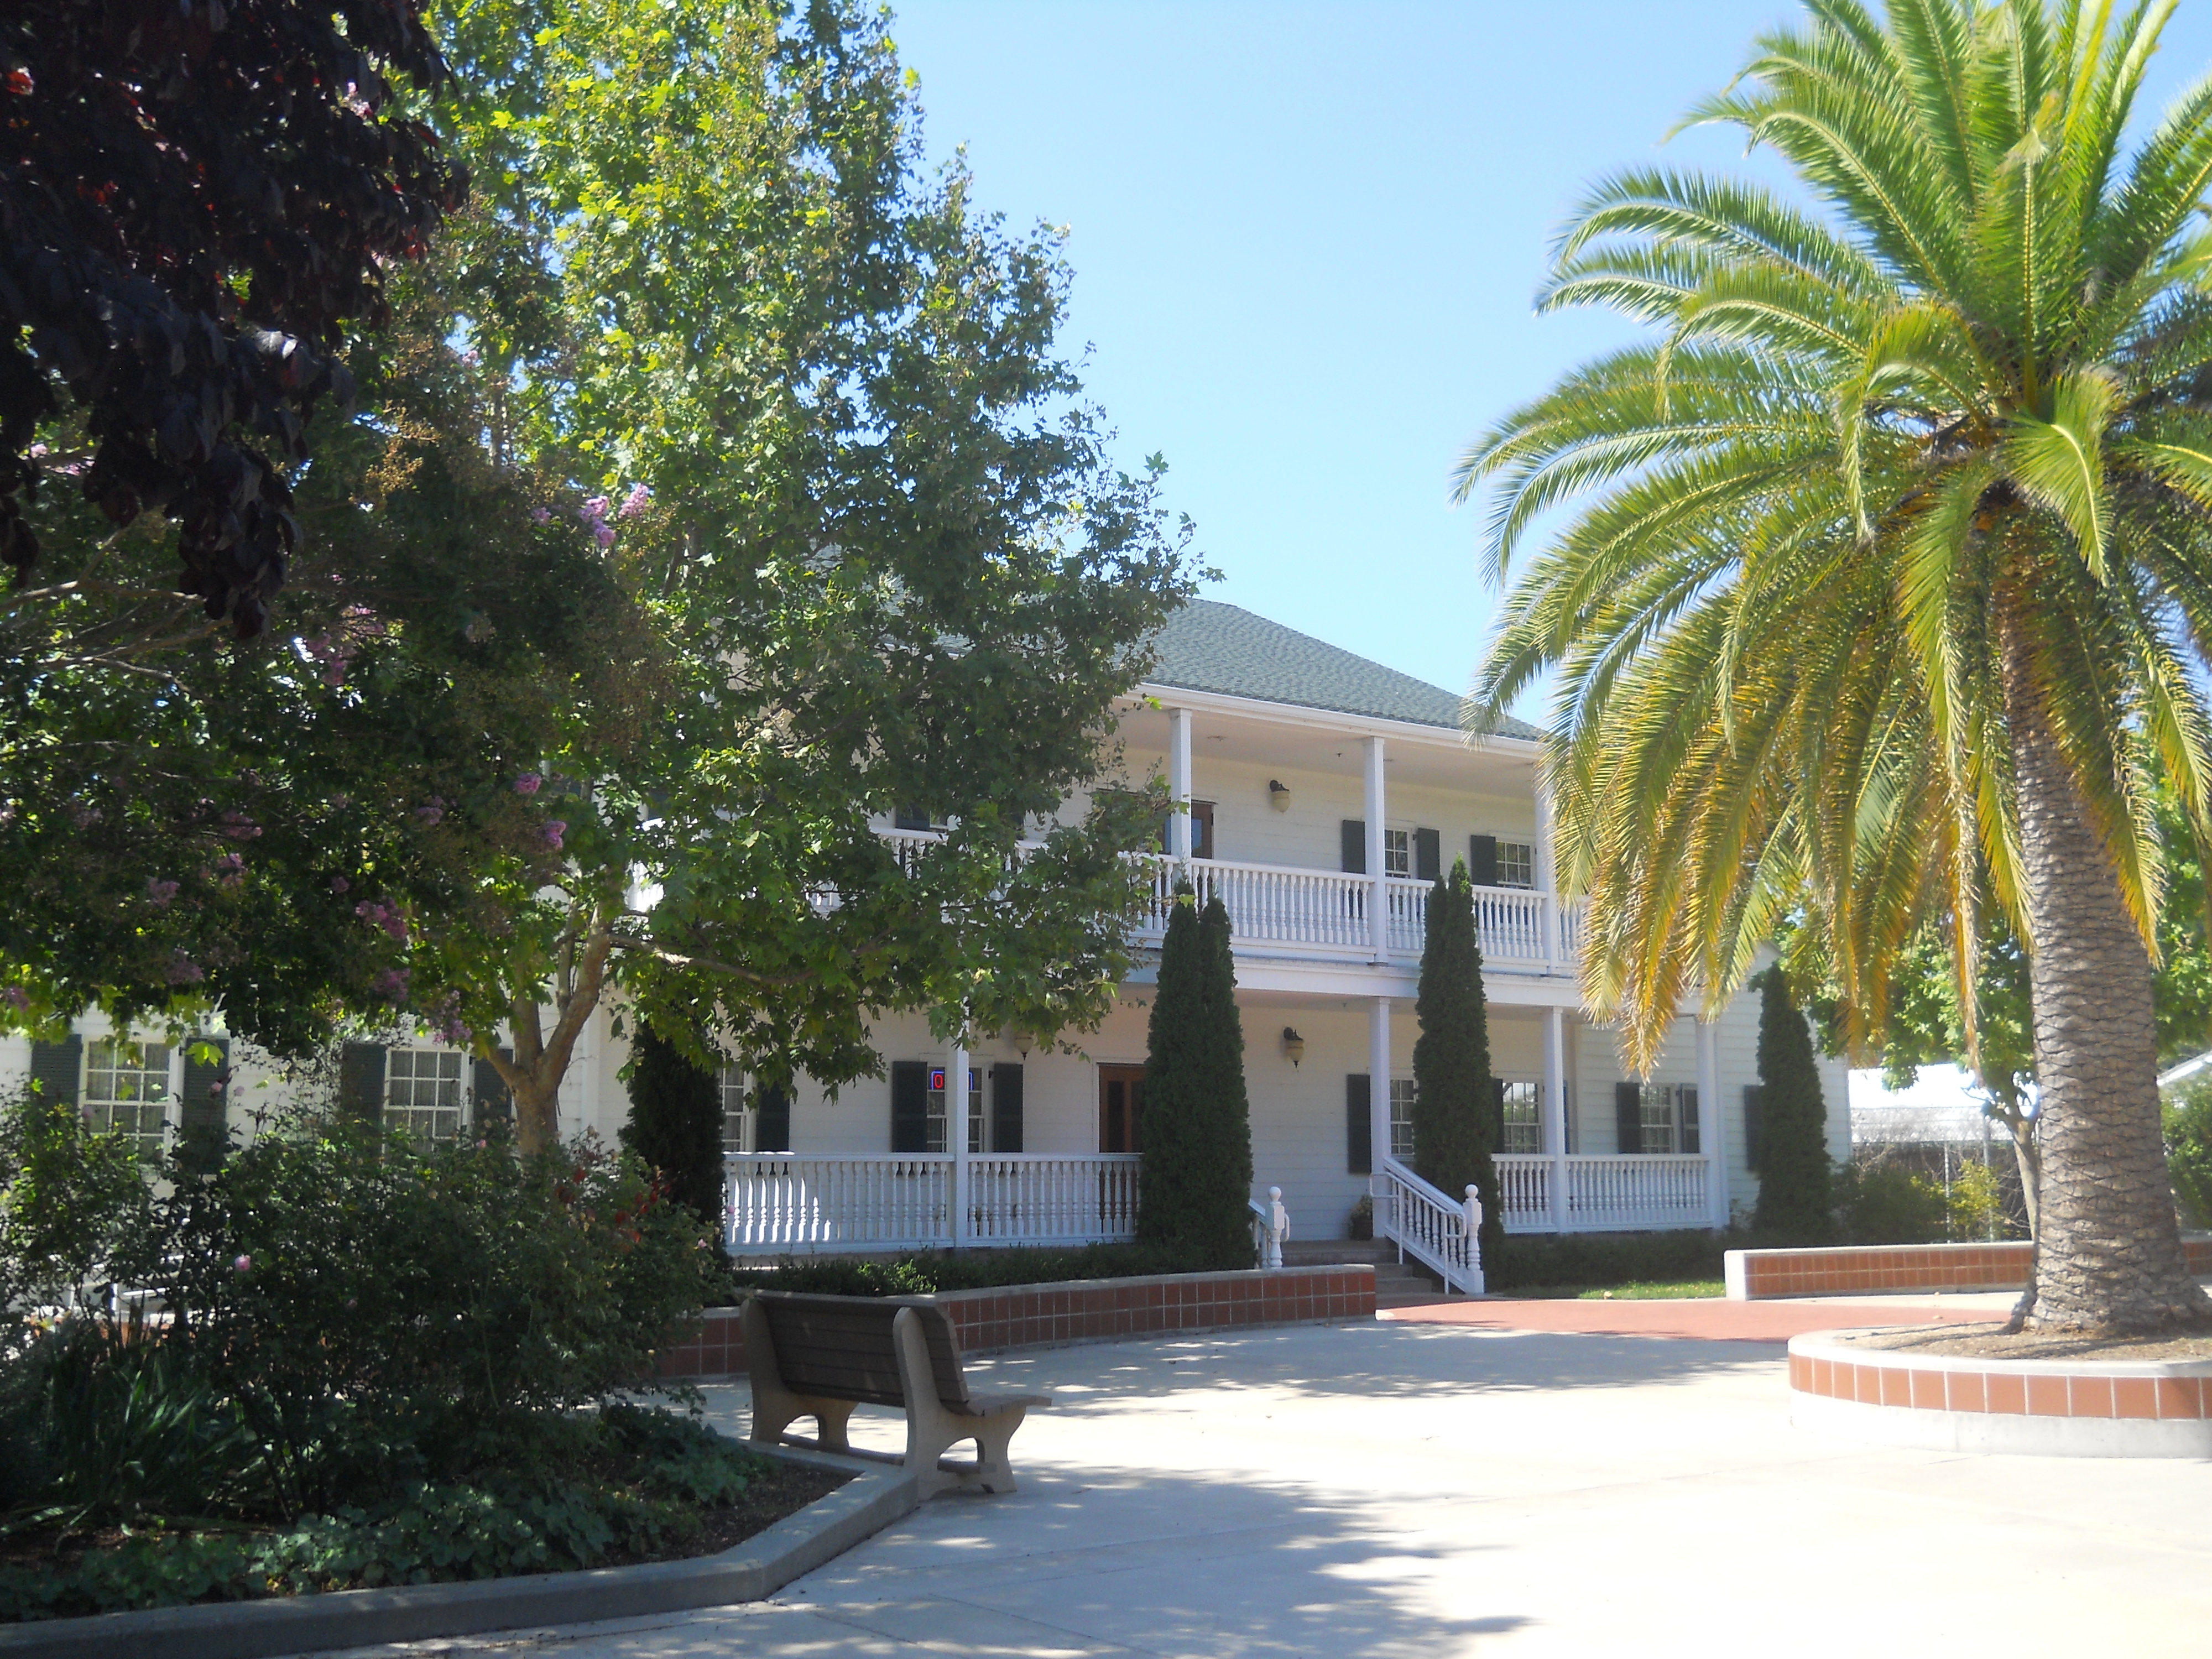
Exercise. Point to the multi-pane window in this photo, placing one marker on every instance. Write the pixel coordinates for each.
(422, 1093)
(126, 1090)
(1657, 1120)
(1516, 863)
(978, 1137)
(1402, 1096)
(933, 1122)
(1397, 852)
(1524, 1122)
(737, 1124)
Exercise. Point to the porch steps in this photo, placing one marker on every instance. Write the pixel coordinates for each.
(1397, 1284)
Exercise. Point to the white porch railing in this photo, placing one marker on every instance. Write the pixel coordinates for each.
(1425, 1225)
(1606, 1191)
(798, 1204)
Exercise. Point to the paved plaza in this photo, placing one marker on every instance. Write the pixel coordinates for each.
(1432, 1489)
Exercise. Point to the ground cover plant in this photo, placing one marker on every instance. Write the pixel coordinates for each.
(338, 1360)
(928, 1273)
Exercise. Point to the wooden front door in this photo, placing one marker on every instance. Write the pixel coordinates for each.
(1120, 1108)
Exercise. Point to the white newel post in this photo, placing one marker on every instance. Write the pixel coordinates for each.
(1555, 1110)
(1378, 1080)
(1711, 1126)
(1179, 785)
(1379, 900)
(1548, 916)
(956, 1132)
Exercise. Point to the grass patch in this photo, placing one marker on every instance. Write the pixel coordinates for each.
(1645, 1291)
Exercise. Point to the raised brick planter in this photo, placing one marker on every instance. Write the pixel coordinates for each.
(1091, 1310)
(2120, 1408)
(1755, 1275)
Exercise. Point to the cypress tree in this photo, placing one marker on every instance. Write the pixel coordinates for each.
(1455, 1099)
(1197, 1130)
(1796, 1196)
(676, 1124)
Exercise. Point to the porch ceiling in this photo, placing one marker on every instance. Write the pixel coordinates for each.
(1313, 741)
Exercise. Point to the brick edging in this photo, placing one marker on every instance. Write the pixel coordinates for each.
(2150, 1390)
(1010, 1316)
(1847, 1270)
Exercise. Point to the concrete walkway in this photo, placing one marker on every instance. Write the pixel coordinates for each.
(1398, 1488)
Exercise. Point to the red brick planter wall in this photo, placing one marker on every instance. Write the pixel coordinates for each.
(1090, 1310)
(1753, 1275)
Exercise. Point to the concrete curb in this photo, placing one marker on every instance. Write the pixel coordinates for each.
(759, 1567)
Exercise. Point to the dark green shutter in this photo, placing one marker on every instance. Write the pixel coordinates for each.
(202, 1117)
(1628, 1116)
(1429, 854)
(361, 1081)
(772, 1124)
(910, 1106)
(1006, 1107)
(1690, 1136)
(1755, 1108)
(1355, 846)
(1482, 860)
(495, 1100)
(1358, 1126)
(58, 1068)
(1498, 1115)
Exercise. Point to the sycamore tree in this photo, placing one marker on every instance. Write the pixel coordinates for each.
(815, 409)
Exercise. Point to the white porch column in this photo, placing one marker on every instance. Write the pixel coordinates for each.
(1378, 908)
(1378, 1079)
(1555, 1110)
(956, 1133)
(1711, 1136)
(1546, 880)
(1179, 784)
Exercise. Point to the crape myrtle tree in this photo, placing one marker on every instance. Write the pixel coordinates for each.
(1194, 1202)
(818, 405)
(197, 200)
(675, 1120)
(1455, 1099)
(1796, 1195)
(1882, 563)
(262, 827)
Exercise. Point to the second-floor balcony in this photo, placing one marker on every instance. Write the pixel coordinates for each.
(1278, 909)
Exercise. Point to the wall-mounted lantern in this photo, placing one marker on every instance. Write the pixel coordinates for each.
(1294, 1046)
(1279, 795)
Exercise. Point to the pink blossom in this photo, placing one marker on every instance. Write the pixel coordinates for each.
(339, 884)
(16, 997)
(635, 502)
(393, 983)
(555, 829)
(244, 1264)
(540, 516)
(240, 826)
(603, 534)
(430, 814)
(231, 861)
(527, 783)
(183, 970)
(161, 892)
(593, 511)
(470, 358)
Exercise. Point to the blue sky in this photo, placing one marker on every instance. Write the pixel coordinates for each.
(1305, 238)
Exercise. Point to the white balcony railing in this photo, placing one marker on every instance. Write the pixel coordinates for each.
(796, 1204)
(1606, 1191)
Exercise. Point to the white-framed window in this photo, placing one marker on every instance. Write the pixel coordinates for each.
(126, 1090)
(1524, 1116)
(1516, 863)
(422, 1093)
(1397, 853)
(933, 1122)
(737, 1122)
(978, 1131)
(1658, 1117)
(1403, 1093)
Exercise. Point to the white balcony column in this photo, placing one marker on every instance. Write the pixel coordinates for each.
(1378, 1080)
(1179, 784)
(1378, 902)
(1555, 1110)
(956, 1135)
(1712, 1138)
(1544, 874)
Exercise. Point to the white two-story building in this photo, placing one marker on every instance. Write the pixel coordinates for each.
(1325, 793)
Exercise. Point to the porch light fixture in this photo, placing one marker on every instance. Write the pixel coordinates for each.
(1293, 1045)
(1279, 796)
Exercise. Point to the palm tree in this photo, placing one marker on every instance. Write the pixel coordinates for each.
(1886, 565)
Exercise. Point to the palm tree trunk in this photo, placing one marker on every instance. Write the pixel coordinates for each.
(2109, 1256)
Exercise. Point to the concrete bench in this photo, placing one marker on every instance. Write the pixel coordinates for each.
(821, 1356)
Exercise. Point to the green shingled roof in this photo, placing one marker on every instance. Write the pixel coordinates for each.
(1208, 646)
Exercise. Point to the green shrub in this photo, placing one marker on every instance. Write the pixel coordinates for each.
(676, 1124)
(1881, 1204)
(931, 1271)
(1195, 1200)
(2187, 1115)
(1575, 1261)
(1455, 1099)
(1796, 1178)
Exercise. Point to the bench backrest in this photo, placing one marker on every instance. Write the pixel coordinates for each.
(841, 1347)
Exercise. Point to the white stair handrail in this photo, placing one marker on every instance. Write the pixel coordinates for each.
(1442, 1235)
